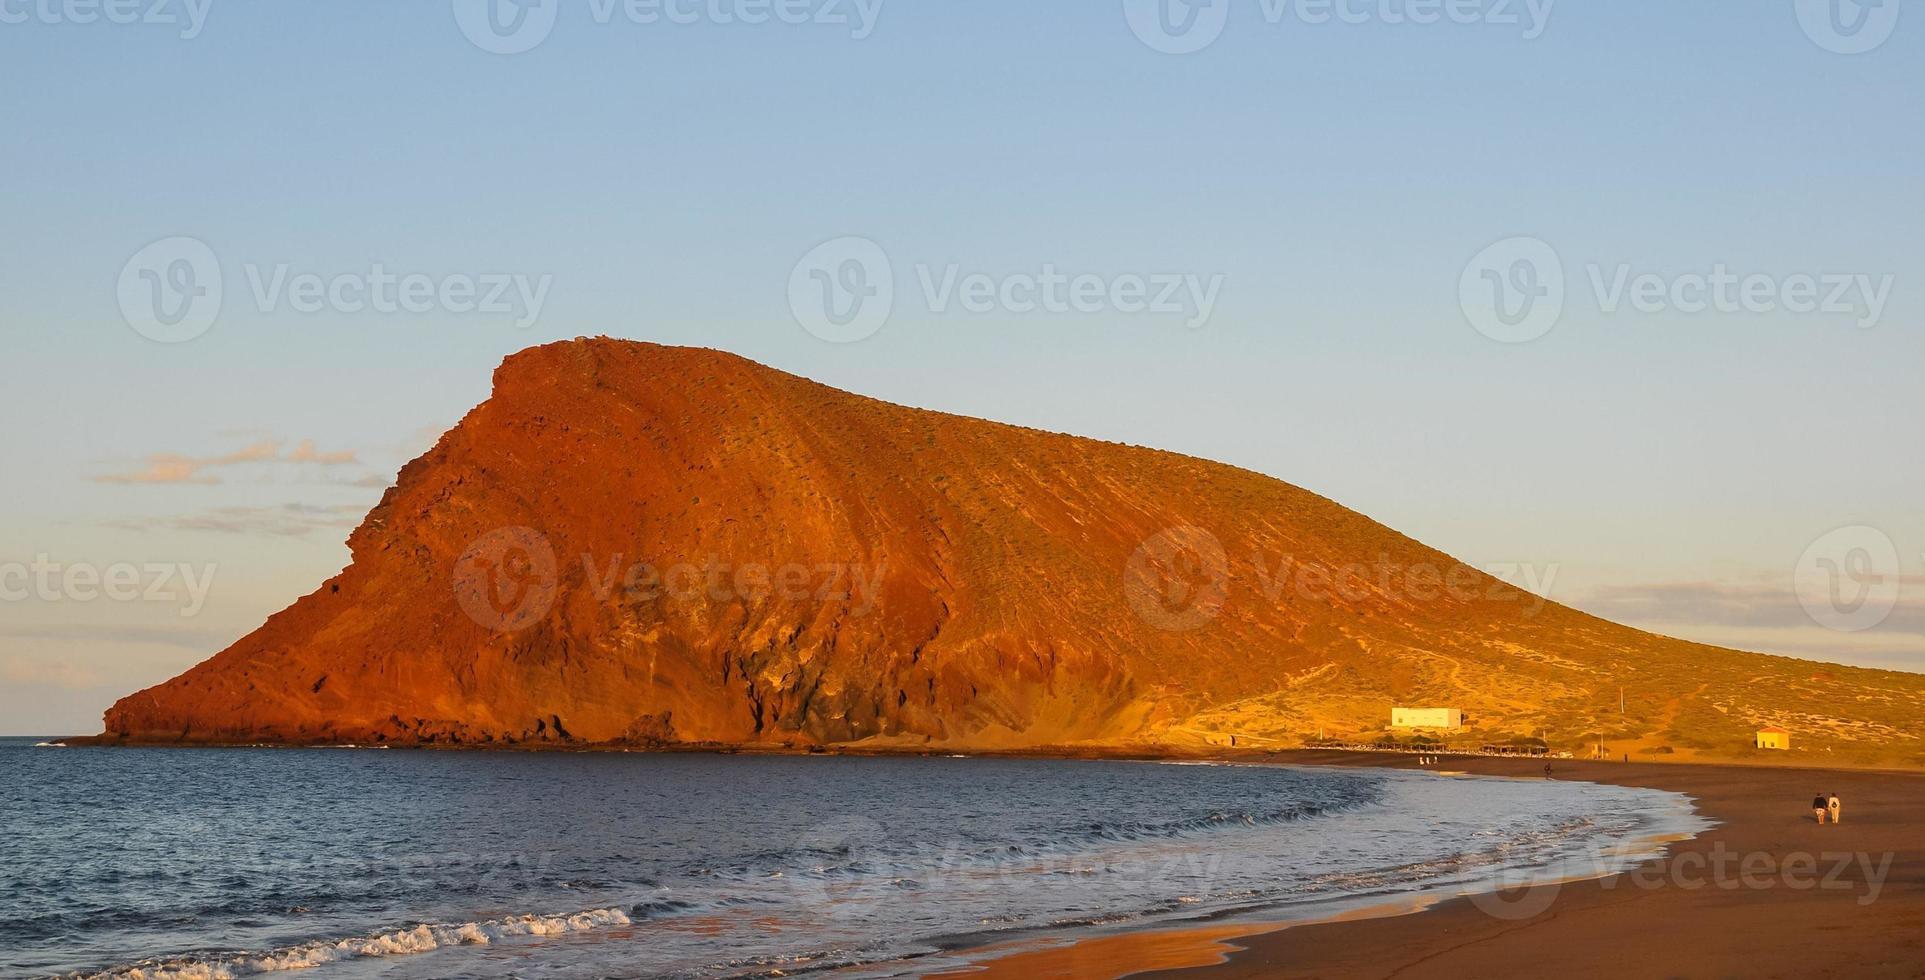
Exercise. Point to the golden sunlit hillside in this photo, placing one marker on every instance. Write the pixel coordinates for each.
(630, 544)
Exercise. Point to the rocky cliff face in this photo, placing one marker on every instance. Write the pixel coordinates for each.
(633, 544)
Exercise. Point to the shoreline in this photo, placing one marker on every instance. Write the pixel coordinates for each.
(1213, 939)
(1737, 899)
(1123, 752)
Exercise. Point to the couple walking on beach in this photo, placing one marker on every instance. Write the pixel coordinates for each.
(1823, 806)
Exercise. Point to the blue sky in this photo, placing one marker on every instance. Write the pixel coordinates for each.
(1674, 469)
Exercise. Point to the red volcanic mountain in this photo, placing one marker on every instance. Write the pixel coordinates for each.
(642, 545)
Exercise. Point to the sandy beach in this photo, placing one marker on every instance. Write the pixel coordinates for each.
(1766, 893)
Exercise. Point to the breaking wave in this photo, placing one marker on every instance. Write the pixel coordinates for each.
(401, 942)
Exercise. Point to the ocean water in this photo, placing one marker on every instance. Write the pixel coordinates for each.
(366, 863)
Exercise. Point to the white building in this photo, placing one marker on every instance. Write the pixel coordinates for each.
(1426, 718)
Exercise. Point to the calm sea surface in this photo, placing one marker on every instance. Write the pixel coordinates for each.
(351, 864)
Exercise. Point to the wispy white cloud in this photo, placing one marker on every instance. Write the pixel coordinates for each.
(163, 468)
(264, 451)
(306, 453)
(177, 468)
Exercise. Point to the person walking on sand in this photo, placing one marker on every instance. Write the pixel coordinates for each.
(1832, 806)
(1819, 806)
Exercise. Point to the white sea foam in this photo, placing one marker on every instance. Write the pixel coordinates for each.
(401, 942)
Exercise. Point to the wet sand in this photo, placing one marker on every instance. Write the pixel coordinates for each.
(1767, 893)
